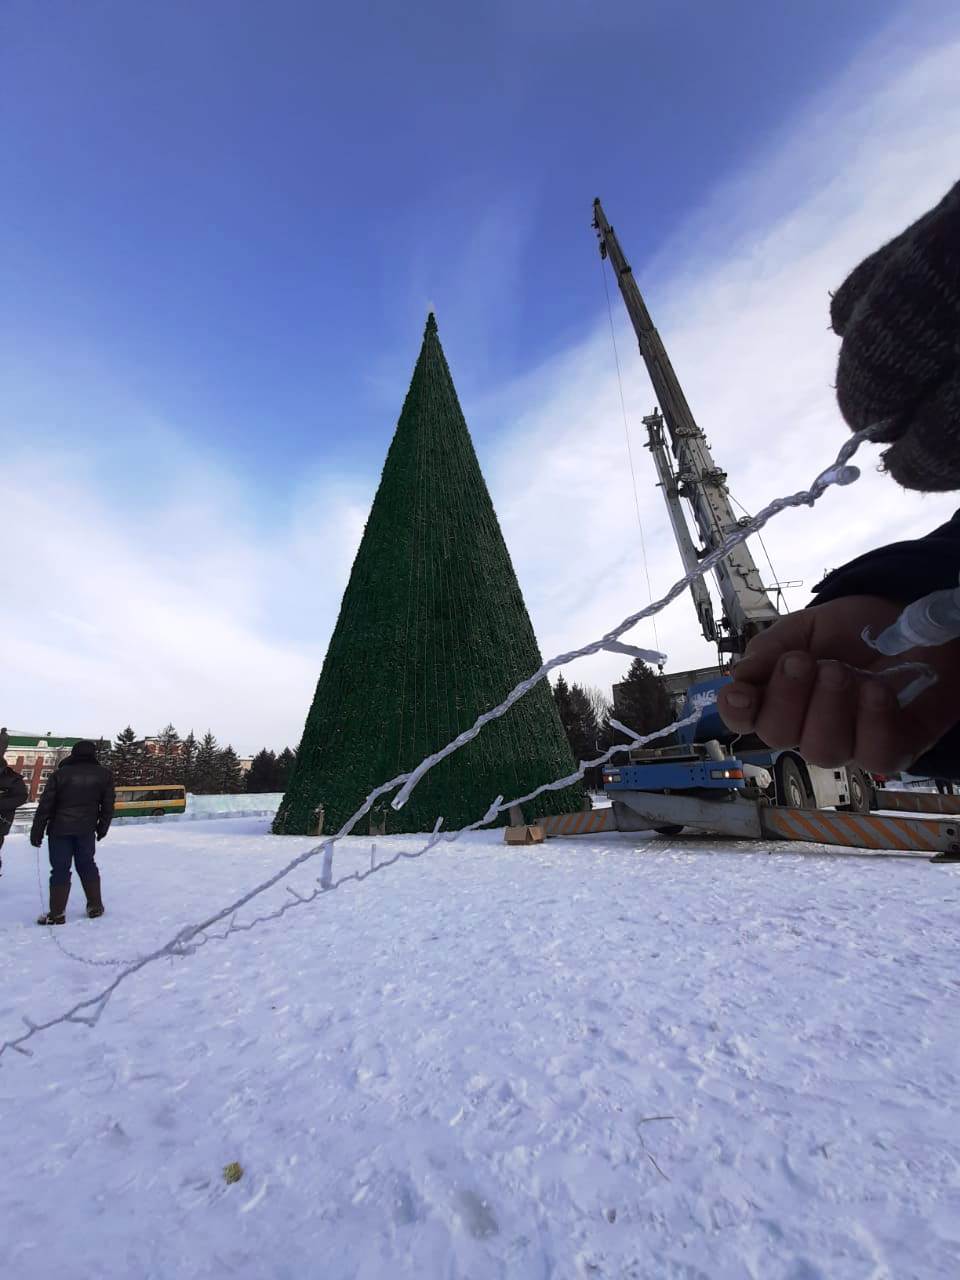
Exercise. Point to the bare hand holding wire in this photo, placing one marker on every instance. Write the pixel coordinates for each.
(811, 682)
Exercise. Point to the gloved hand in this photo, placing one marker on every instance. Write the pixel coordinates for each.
(36, 839)
(898, 313)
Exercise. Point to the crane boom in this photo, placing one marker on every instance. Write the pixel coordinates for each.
(747, 607)
(681, 530)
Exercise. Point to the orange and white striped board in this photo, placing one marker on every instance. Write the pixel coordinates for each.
(587, 823)
(815, 826)
(917, 802)
(861, 830)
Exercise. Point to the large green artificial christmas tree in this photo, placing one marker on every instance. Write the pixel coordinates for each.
(432, 631)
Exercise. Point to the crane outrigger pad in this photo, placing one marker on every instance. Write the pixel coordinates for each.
(862, 830)
(917, 802)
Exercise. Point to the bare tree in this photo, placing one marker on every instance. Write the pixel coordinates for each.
(601, 704)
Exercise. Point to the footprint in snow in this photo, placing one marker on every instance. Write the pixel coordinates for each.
(476, 1215)
(404, 1202)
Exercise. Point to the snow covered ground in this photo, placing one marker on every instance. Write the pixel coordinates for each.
(608, 1057)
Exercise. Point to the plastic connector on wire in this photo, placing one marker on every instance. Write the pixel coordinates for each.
(925, 624)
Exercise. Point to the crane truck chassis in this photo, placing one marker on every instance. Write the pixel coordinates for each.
(712, 781)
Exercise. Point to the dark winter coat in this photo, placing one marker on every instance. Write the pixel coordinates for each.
(904, 572)
(13, 792)
(77, 799)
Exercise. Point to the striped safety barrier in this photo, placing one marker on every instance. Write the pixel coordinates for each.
(862, 830)
(587, 823)
(917, 802)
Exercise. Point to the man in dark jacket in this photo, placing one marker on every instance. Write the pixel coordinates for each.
(13, 793)
(75, 810)
(801, 682)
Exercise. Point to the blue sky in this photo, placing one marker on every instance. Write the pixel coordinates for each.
(235, 214)
(224, 223)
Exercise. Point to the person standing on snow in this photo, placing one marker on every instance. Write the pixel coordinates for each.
(898, 314)
(75, 810)
(13, 792)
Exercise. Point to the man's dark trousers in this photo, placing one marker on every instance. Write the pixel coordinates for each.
(77, 849)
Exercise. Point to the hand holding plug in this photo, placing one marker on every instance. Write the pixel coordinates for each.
(811, 682)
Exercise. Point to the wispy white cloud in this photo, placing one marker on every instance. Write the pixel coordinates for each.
(176, 612)
(187, 608)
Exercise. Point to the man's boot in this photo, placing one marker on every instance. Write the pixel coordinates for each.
(91, 887)
(59, 893)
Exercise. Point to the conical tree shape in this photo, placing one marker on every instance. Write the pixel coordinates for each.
(432, 631)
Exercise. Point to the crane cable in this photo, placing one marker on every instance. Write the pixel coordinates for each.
(773, 572)
(626, 432)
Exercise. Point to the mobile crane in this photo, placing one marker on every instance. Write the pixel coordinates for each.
(709, 758)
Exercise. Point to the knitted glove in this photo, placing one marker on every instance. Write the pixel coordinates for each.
(899, 316)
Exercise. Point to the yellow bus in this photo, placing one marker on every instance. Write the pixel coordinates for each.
(149, 802)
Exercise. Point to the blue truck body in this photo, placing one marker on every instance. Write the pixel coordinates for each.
(675, 775)
(691, 771)
(710, 724)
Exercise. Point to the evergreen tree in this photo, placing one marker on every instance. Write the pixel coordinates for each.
(587, 729)
(579, 720)
(432, 631)
(561, 696)
(641, 701)
(127, 759)
(188, 762)
(285, 762)
(206, 774)
(166, 758)
(262, 774)
(229, 778)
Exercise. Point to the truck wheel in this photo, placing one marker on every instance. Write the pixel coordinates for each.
(668, 831)
(791, 788)
(861, 793)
